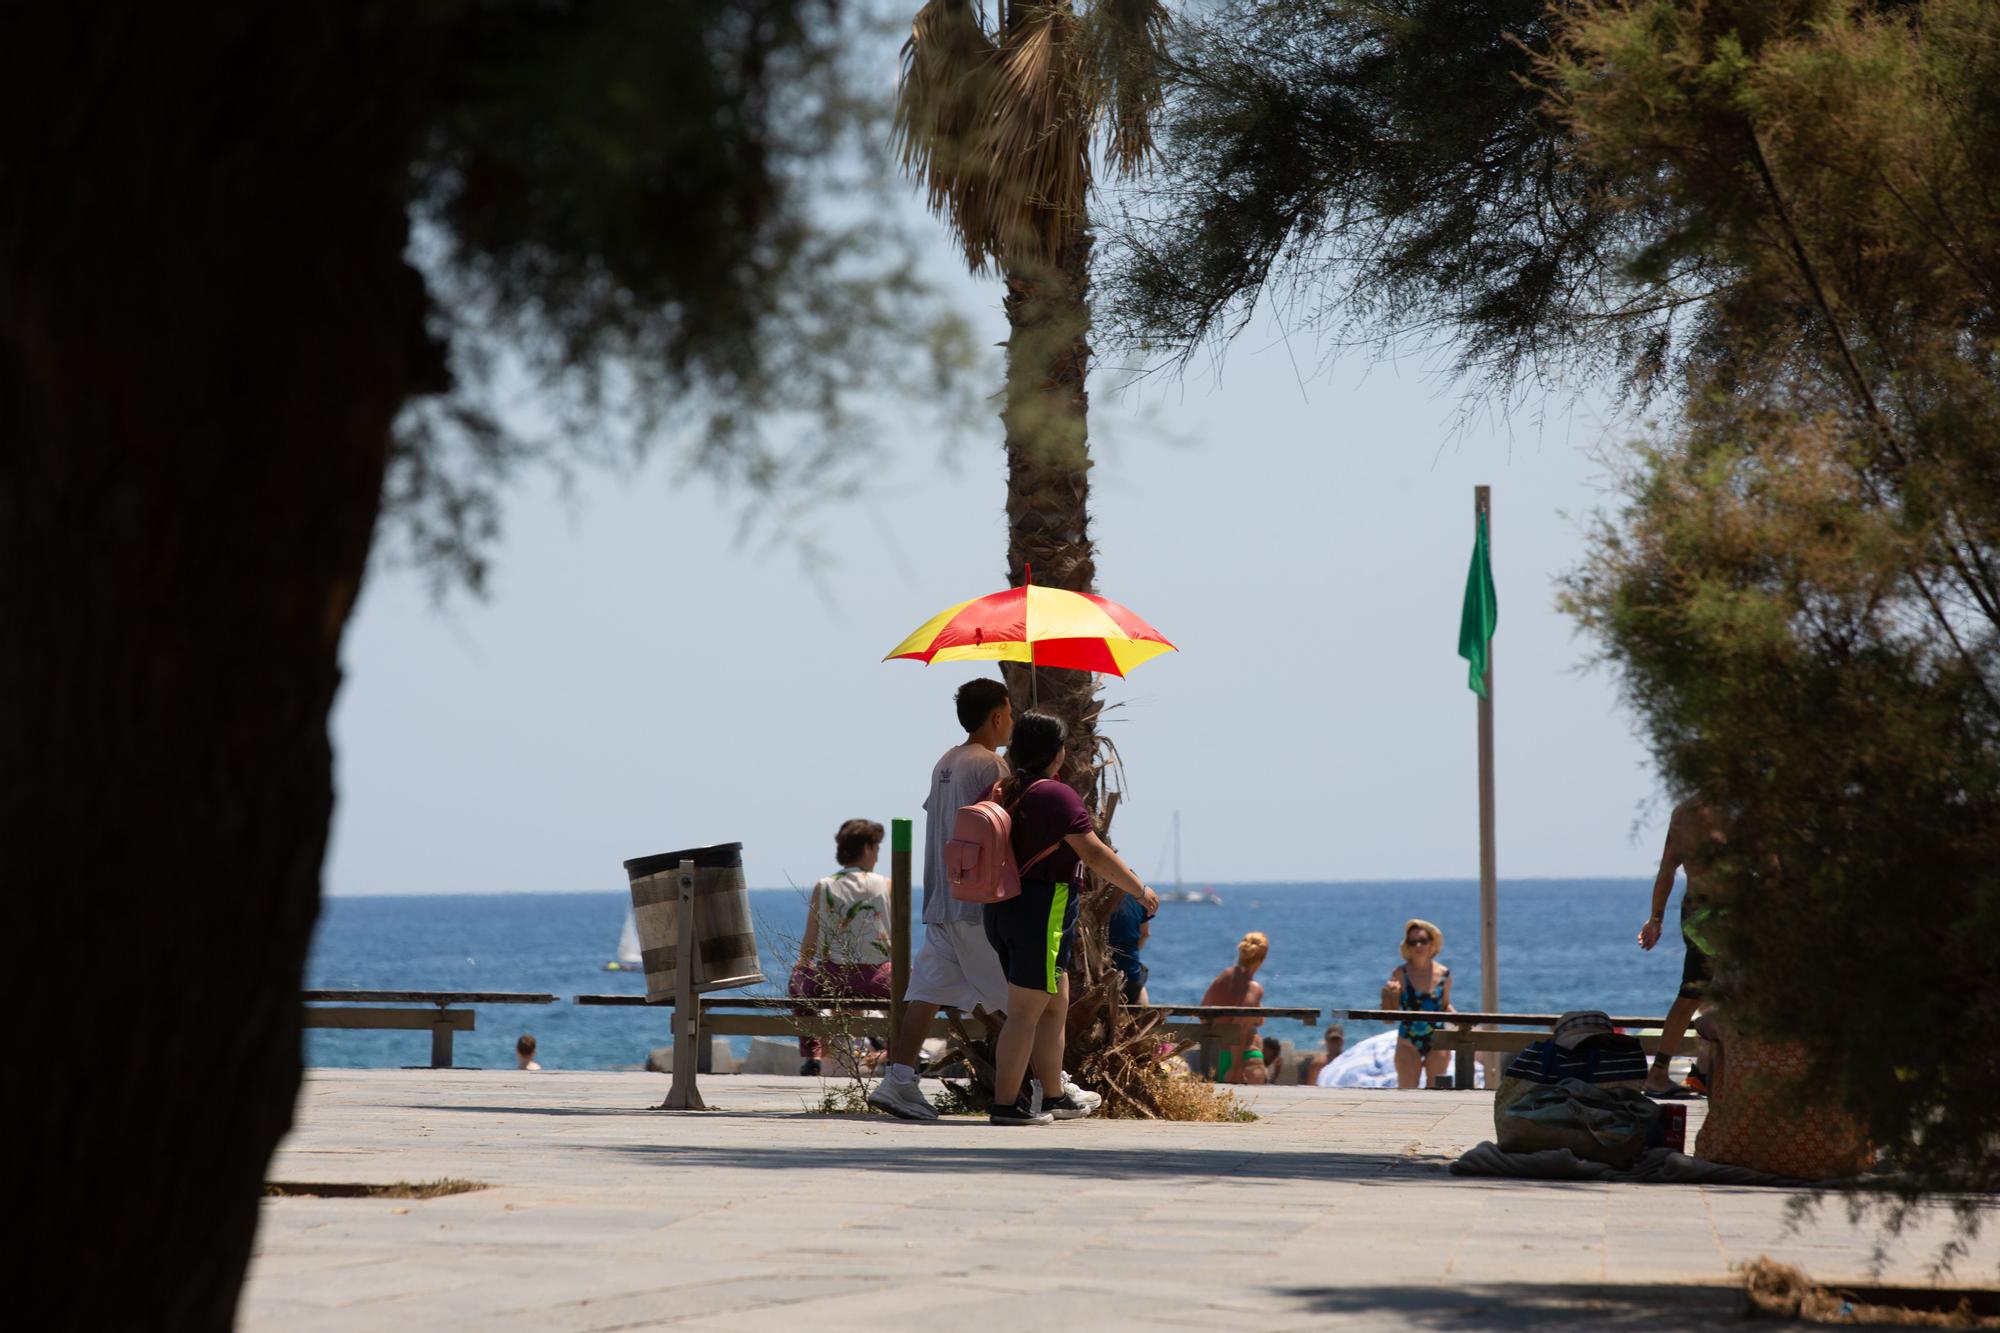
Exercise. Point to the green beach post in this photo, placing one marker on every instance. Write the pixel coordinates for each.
(1477, 621)
(899, 923)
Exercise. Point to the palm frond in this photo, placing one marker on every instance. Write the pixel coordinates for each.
(1127, 46)
(998, 123)
(1039, 122)
(947, 65)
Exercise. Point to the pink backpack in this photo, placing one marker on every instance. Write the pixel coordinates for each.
(980, 856)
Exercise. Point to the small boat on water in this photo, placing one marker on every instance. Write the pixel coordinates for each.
(1209, 896)
(627, 958)
(1180, 892)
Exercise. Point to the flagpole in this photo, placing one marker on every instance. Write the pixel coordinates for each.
(1489, 910)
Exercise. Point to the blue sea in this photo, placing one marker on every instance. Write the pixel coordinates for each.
(1564, 944)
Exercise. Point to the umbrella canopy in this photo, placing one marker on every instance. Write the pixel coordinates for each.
(1045, 626)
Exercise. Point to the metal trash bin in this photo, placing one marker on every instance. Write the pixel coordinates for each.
(725, 941)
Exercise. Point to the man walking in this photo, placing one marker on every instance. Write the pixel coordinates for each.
(956, 967)
(1695, 834)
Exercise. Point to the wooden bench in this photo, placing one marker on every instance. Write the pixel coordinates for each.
(1205, 1025)
(1464, 1034)
(440, 1019)
(769, 1016)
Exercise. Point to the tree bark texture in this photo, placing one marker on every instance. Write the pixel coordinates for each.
(206, 330)
(1048, 474)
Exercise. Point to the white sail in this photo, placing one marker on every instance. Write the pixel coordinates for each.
(628, 944)
(1180, 892)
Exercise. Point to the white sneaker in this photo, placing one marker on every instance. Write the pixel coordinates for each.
(1083, 1097)
(1074, 1104)
(905, 1101)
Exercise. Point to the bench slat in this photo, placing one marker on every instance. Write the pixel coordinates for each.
(1465, 1019)
(1227, 1011)
(710, 1003)
(425, 997)
(409, 1020)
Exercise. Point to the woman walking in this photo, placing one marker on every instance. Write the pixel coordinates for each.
(1033, 934)
(1421, 984)
(845, 952)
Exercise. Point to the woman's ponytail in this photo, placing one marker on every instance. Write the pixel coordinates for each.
(1038, 739)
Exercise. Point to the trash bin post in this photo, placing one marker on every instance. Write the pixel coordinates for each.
(682, 1095)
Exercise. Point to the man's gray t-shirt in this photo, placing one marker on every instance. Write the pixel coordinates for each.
(960, 778)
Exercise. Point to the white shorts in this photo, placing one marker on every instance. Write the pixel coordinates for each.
(957, 968)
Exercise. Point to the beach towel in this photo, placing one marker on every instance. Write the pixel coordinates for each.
(1371, 1063)
(1365, 1064)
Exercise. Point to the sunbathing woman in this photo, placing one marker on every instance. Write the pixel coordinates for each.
(1238, 984)
(1422, 984)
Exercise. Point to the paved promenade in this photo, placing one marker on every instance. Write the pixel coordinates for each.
(1333, 1210)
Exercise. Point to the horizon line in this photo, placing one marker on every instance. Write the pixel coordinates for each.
(1201, 884)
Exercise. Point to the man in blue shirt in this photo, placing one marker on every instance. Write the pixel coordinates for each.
(1128, 930)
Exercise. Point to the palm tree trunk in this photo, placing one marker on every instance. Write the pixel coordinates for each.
(206, 329)
(1048, 473)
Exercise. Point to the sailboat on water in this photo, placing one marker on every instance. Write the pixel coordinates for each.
(1180, 892)
(627, 958)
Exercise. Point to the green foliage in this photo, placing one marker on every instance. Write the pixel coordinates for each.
(848, 1098)
(1785, 212)
(1799, 596)
(659, 220)
(1374, 169)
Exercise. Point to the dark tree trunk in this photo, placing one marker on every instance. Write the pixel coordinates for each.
(206, 330)
(1048, 473)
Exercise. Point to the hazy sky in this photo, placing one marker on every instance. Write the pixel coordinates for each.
(638, 681)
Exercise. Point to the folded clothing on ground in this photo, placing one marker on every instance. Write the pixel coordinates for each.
(1655, 1166)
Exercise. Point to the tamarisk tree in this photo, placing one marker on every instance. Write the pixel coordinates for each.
(238, 245)
(1776, 221)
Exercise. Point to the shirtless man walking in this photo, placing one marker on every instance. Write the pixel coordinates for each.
(1695, 835)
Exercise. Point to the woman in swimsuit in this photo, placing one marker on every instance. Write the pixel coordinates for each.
(1422, 984)
(1238, 985)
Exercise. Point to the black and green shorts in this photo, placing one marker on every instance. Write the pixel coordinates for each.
(1696, 970)
(1033, 934)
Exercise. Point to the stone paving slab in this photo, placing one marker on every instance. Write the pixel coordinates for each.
(1333, 1209)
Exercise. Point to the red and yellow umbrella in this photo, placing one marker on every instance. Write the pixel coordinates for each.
(1041, 626)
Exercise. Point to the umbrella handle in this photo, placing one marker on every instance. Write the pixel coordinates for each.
(1034, 674)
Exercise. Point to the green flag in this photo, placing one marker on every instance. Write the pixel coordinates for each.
(1481, 614)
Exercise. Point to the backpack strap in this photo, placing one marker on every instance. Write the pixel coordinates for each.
(1042, 853)
(1018, 798)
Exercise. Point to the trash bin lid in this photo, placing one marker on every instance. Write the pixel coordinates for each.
(722, 856)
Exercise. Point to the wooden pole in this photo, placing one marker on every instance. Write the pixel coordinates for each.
(899, 924)
(682, 1095)
(1489, 907)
